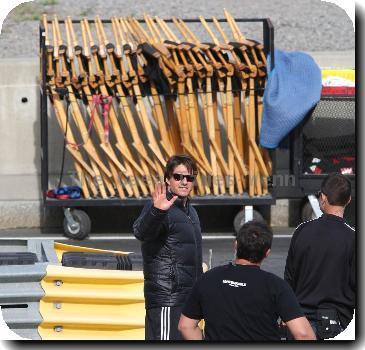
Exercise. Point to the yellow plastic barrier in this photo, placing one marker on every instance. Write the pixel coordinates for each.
(61, 248)
(92, 304)
(348, 74)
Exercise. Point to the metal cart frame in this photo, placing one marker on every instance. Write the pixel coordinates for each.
(242, 200)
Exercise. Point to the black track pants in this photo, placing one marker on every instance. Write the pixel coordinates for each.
(161, 323)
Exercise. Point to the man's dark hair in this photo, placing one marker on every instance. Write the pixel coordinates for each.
(337, 188)
(176, 160)
(254, 238)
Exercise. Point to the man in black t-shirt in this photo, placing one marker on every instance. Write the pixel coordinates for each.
(321, 262)
(239, 301)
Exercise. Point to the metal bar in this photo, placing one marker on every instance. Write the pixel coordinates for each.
(322, 176)
(197, 20)
(297, 148)
(268, 32)
(169, 20)
(315, 205)
(337, 97)
(206, 200)
(44, 116)
(248, 213)
(273, 191)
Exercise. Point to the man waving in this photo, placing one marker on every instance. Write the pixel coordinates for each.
(171, 244)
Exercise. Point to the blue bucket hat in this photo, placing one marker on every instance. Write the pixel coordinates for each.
(293, 88)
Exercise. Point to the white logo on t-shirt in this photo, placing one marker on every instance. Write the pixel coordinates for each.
(234, 284)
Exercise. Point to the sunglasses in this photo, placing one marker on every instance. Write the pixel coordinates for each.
(180, 177)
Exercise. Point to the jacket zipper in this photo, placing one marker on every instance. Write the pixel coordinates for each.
(196, 249)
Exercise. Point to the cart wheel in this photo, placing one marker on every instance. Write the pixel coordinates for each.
(239, 219)
(307, 212)
(81, 228)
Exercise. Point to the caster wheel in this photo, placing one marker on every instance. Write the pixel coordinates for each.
(239, 219)
(307, 212)
(81, 228)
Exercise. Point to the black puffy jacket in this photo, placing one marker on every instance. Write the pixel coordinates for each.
(172, 252)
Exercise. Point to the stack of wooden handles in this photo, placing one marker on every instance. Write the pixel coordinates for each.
(127, 102)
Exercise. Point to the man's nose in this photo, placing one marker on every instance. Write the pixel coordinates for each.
(184, 181)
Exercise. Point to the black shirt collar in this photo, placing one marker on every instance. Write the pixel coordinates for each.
(233, 263)
(332, 217)
(180, 202)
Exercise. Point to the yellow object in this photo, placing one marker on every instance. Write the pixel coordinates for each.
(92, 304)
(61, 248)
(348, 74)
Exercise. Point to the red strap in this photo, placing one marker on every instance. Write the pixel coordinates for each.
(106, 102)
(97, 101)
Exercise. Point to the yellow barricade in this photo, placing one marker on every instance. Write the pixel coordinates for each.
(92, 304)
(348, 74)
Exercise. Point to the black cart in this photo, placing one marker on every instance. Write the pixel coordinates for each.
(77, 223)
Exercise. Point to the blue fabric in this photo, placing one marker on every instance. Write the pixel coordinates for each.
(73, 191)
(293, 88)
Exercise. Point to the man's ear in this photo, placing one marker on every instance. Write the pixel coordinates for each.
(322, 199)
(267, 253)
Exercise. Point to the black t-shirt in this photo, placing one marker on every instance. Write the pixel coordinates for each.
(241, 303)
(321, 266)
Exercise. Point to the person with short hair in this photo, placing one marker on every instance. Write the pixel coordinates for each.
(241, 302)
(171, 244)
(320, 265)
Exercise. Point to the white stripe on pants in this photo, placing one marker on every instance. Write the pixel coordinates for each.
(165, 323)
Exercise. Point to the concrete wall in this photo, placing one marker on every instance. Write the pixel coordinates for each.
(20, 189)
(20, 143)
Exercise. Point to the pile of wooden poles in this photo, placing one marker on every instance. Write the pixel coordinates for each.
(128, 101)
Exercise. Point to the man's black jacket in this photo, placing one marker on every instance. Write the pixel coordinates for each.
(172, 252)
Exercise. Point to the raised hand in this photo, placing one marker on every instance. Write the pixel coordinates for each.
(159, 197)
